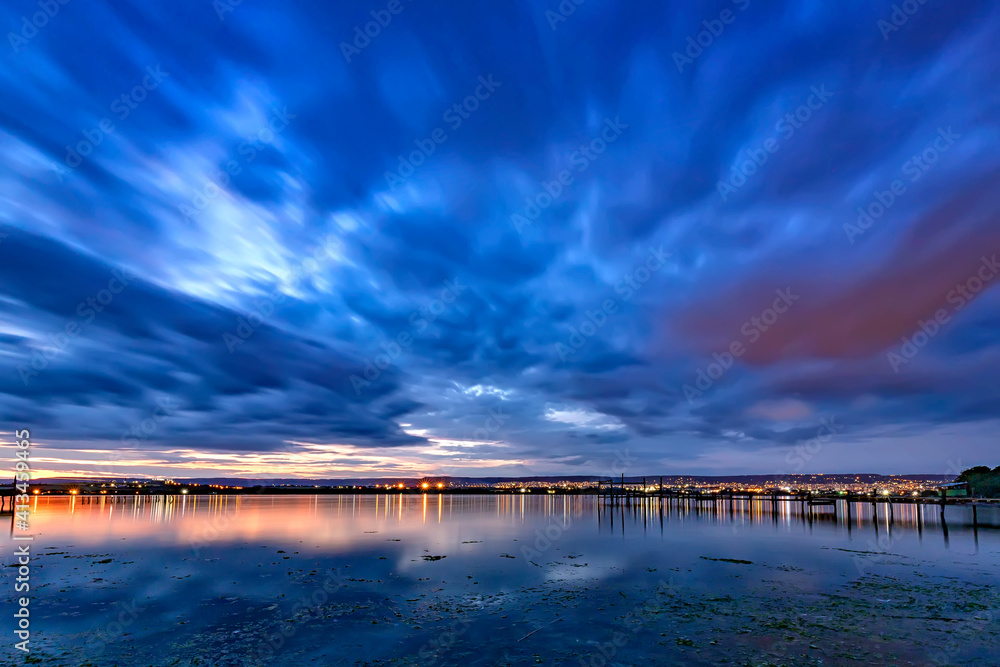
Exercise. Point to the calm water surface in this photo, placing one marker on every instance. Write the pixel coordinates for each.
(520, 579)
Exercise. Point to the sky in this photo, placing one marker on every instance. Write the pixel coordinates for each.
(404, 238)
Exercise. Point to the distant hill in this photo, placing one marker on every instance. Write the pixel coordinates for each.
(670, 480)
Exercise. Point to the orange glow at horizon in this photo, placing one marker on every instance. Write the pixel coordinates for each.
(305, 461)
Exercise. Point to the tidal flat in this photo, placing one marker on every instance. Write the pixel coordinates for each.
(505, 580)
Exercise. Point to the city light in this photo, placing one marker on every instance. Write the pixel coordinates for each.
(440, 485)
(425, 485)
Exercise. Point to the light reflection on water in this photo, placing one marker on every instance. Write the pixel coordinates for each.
(249, 516)
(353, 523)
(190, 560)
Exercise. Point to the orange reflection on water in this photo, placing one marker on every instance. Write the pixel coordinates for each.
(322, 519)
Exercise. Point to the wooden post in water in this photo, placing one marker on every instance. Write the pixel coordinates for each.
(849, 519)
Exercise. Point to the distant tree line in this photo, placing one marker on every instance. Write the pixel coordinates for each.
(982, 481)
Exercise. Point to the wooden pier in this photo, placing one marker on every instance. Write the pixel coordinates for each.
(628, 494)
(7, 499)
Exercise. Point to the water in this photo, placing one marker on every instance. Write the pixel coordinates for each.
(517, 579)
